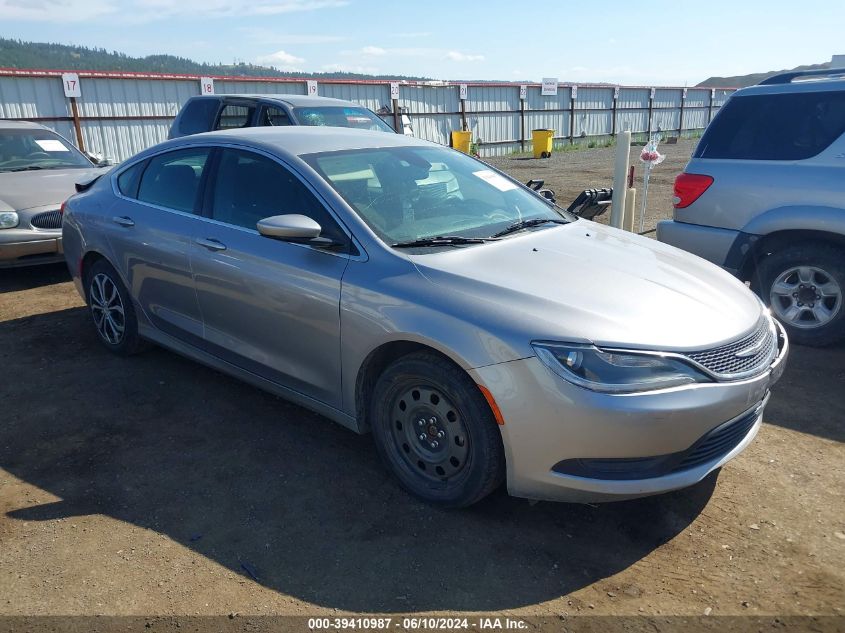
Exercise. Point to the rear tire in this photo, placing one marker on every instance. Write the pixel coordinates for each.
(804, 285)
(111, 310)
(435, 431)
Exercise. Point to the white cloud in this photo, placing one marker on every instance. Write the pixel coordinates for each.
(281, 60)
(374, 51)
(347, 68)
(140, 11)
(455, 56)
(55, 10)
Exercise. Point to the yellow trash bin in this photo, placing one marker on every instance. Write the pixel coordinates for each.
(541, 140)
(461, 140)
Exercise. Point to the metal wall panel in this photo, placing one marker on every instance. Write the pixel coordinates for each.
(119, 140)
(494, 127)
(695, 118)
(594, 98)
(557, 121)
(32, 97)
(667, 98)
(633, 98)
(633, 120)
(372, 96)
(492, 98)
(697, 98)
(536, 101)
(593, 123)
(230, 87)
(435, 127)
(665, 120)
(130, 97)
(428, 99)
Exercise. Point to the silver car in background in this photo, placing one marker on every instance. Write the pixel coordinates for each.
(405, 289)
(38, 169)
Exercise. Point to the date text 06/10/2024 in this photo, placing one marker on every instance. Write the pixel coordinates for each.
(416, 623)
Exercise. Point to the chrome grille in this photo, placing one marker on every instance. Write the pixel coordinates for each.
(47, 220)
(761, 348)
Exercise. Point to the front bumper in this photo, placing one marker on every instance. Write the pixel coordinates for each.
(26, 248)
(549, 421)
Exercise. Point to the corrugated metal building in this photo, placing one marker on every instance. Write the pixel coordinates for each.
(119, 114)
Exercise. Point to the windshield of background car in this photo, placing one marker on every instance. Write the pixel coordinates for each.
(28, 149)
(412, 193)
(340, 116)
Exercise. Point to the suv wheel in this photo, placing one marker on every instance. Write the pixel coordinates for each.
(804, 285)
(435, 431)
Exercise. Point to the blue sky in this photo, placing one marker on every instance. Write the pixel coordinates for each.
(658, 42)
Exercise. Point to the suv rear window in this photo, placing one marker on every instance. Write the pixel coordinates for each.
(198, 116)
(235, 115)
(775, 126)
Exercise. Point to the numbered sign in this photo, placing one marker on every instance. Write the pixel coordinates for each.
(712, 93)
(523, 92)
(574, 90)
(651, 94)
(311, 88)
(206, 86)
(616, 92)
(549, 87)
(70, 82)
(684, 94)
(394, 89)
(462, 89)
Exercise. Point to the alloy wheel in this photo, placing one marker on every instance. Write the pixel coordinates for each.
(805, 297)
(107, 309)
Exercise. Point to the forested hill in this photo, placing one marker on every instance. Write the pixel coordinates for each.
(39, 55)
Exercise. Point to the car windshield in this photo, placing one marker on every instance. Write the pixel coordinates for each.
(341, 116)
(32, 149)
(408, 194)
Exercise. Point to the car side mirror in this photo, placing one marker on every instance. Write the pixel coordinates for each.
(294, 227)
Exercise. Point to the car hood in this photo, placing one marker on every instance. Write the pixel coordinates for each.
(21, 190)
(585, 282)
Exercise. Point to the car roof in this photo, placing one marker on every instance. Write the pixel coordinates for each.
(6, 124)
(297, 140)
(295, 101)
(822, 84)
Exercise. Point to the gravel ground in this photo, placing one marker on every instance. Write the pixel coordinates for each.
(153, 485)
(569, 173)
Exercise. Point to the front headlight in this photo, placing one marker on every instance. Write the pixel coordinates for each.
(8, 219)
(613, 371)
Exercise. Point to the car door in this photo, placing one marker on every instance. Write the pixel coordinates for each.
(150, 232)
(270, 307)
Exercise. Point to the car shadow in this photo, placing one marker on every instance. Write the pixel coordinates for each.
(14, 279)
(281, 495)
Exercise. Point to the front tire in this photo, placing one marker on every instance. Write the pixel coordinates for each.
(111, 310)
(435, 431)
(804, 285)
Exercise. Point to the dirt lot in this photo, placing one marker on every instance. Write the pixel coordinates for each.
(569, 173)
(156, 486)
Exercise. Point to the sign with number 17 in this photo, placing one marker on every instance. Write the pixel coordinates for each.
(70, 82)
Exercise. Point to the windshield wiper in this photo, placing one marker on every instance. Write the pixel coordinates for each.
(524, 224)
(443, 240)
(27, 168)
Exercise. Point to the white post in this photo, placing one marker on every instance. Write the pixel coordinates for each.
(620, 178)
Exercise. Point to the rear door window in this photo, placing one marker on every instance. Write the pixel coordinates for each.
(273, 117)
(791, 126)
(172, 180)
(198, 116)
(129, 179)
(234, 115)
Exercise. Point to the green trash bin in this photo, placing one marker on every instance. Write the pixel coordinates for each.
(542, 140)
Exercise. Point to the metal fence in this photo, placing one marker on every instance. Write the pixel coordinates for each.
(119, 114)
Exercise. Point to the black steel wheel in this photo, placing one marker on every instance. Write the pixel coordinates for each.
(435, 431)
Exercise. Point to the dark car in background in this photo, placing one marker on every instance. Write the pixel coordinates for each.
(207, 113)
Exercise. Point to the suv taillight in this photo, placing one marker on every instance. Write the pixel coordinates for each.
(689, 187)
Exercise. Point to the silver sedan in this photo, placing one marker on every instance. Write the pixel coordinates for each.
(401, 288)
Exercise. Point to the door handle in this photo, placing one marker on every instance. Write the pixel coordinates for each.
(122, 220)
(211, 244)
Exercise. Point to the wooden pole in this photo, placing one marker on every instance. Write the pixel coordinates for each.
(80, 143)
(681, 123)
(397, 119)
(522, 124)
